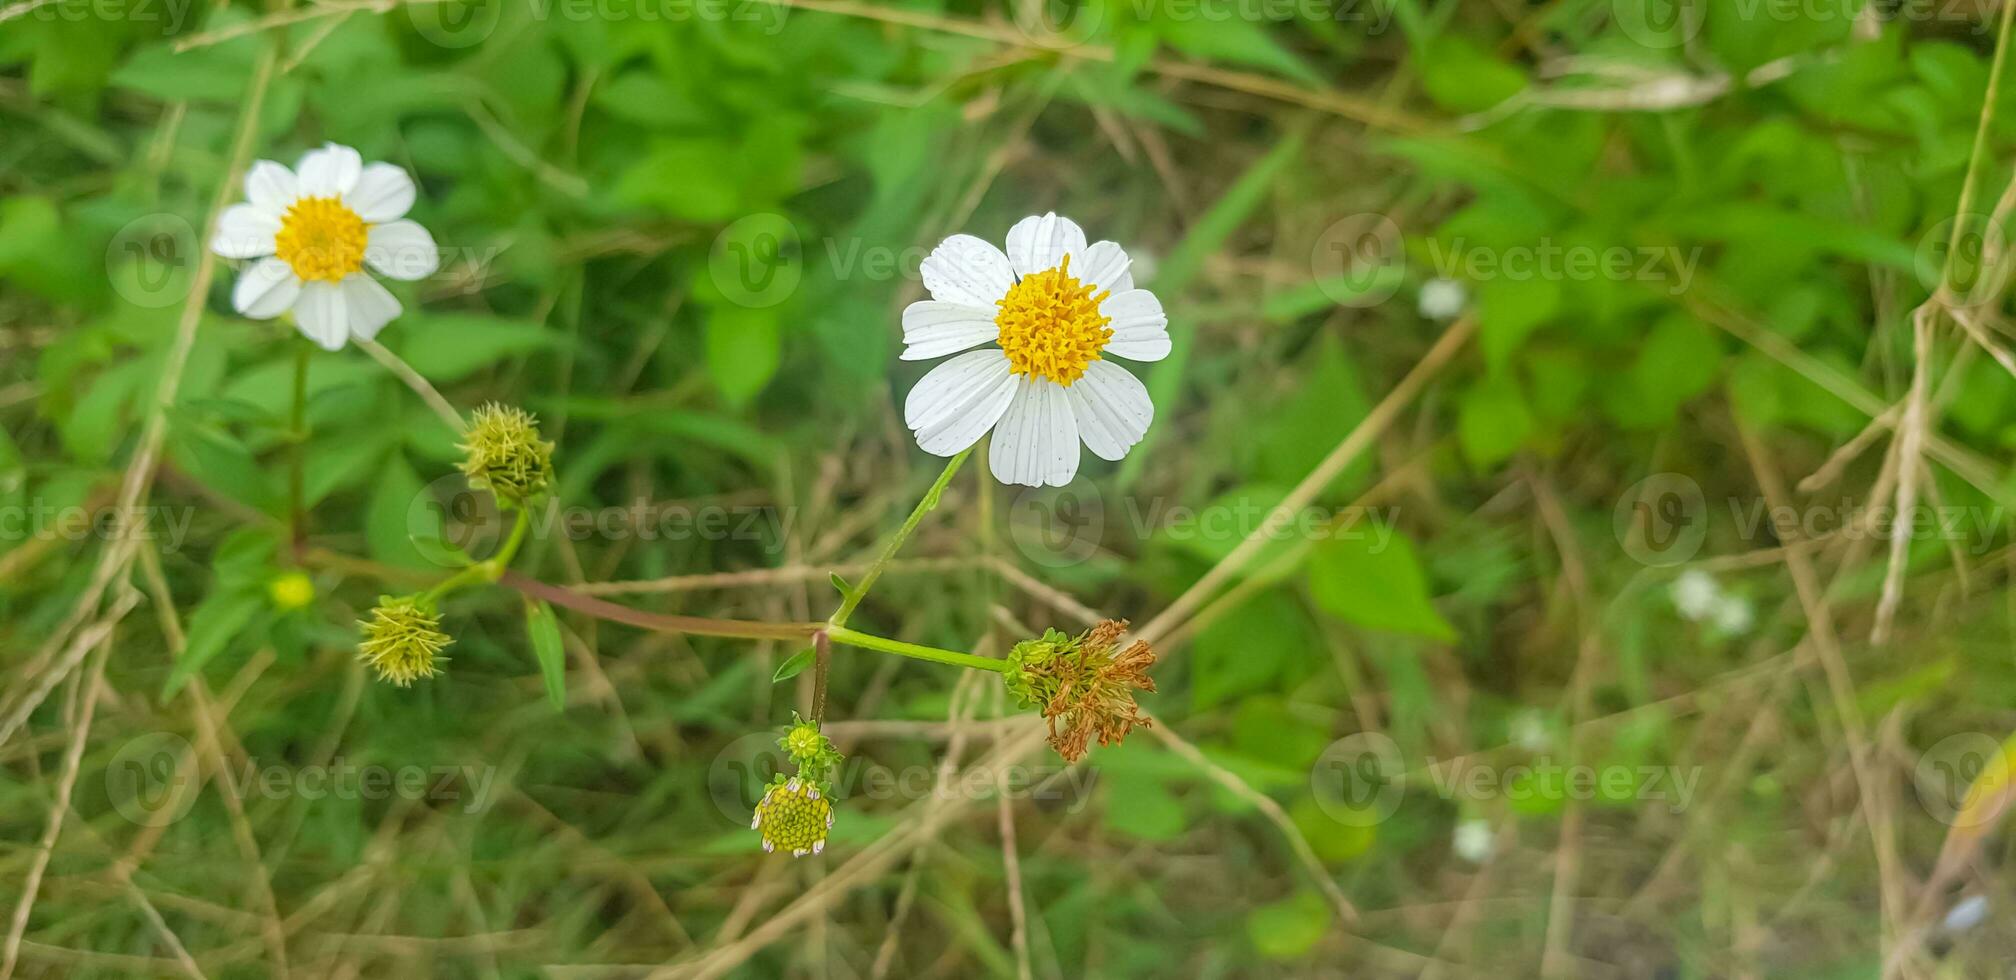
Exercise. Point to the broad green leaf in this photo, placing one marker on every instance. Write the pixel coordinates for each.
(1462, 76)
(1291, 927)
(1493, 422)
(1377, 585)
(217, 620)
(1510, 309)
(743, 350)
(1251, 649)
(450, 346)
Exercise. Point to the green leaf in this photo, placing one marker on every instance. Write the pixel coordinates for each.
(690, 178)
(1510, 309)
(840, 585)
(1463, 76)
(793, 666)
(1493, 422)
(1289, 928)
(221, 617)
(1250, 649)
(1373, 583)
(544, 629)
(743, 350)
(451, 346)
(397, 515)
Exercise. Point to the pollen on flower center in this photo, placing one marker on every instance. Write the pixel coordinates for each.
(321, 238)
(1051, 326)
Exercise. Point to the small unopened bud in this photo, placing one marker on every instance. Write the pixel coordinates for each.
(503, 454)
(291, 590)
(1084, 685)
(403, 641)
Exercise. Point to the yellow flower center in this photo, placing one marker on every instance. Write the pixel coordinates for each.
(1050, 325)
(321, 238)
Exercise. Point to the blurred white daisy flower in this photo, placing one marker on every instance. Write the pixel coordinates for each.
(1695, 594)
(1732, 614)
(1055, 308)
(1473, 840)
(312, 231)
(1442, 299)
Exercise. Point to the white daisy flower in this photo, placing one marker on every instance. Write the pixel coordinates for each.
(1442, 299)
(1056, 309)
(312, 231)
(1473, 840)
(1695, 594)
(1732, 614)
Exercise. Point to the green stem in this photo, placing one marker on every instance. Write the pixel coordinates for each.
(297, 462)
(859, 591)
(488, 570)
(869, 641)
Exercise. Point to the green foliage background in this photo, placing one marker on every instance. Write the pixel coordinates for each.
(1784, 182)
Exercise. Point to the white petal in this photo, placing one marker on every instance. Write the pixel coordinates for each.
(402, 250)
(934, 329)
(818, 847)
(1039, 243)
(322, 314)
(1105, 266)
(331, 171)
(271, 186)
(383, 193)
(266, 289)
(371, 307)
(1036, 443)
(965, 414)
(768, 846)
(1112, 408)
(1140, 330)
(944, 386)
(967, 271)
(245, 231)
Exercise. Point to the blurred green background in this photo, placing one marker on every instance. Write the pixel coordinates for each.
(1569, 672)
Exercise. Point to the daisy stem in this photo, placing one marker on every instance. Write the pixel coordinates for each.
(297, 453)
(924, 506)
(490, 569)
(869, 641)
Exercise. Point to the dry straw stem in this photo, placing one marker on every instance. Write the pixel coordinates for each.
(1841, 689)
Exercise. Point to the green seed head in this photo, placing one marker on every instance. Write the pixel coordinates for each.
(403, 641)
(503, 453)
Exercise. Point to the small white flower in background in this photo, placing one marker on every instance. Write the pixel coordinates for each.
(1442, 299)
(313, 230)
(1967, 914)
(1056, 308)
(1528, 730)
(1473, 840)
(1696, 594)
(1732, 614)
